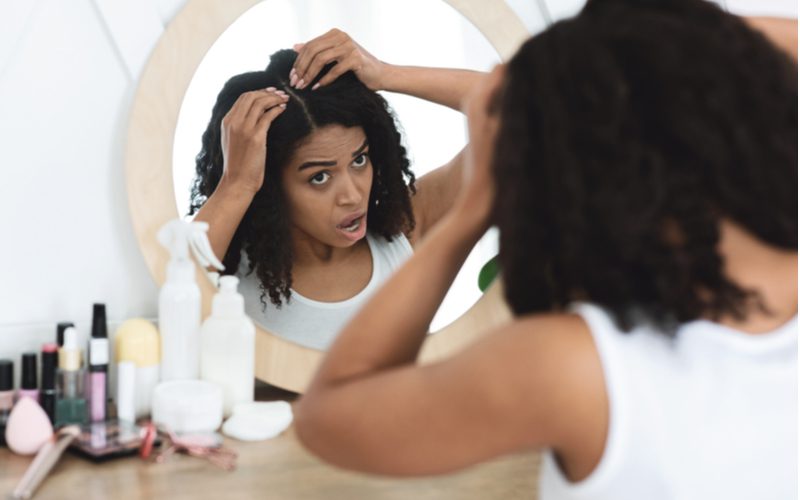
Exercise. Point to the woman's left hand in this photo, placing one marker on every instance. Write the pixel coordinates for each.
(335, 46)
(482, 109)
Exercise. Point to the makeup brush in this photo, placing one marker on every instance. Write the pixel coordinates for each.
(44, 461)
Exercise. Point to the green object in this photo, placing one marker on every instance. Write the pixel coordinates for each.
(71, 411)
(488, 273)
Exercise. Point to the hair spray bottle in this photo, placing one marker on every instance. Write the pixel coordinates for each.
(179, 298)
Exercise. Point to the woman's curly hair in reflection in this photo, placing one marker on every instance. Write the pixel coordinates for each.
(627, 134)
(263, 233)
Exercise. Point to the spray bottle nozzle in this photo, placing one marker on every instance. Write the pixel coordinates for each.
(178, 236)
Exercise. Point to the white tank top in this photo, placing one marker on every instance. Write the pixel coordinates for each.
(710, 414)
(312, 323)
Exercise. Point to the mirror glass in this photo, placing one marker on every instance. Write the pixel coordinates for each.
(404, 32)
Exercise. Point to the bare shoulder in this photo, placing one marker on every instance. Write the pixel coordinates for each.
(546, 369)
(580, 394)
(556, 333)
(554, 354)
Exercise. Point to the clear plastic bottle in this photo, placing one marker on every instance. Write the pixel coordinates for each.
(179, 299)
(228, 346)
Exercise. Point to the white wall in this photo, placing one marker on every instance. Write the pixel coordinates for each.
(68, 71)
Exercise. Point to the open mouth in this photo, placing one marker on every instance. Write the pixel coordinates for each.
(352, 225)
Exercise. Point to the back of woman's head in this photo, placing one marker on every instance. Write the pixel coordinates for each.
(627, 134)
(263, 233)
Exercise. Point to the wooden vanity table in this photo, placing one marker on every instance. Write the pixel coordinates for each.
(279, 468)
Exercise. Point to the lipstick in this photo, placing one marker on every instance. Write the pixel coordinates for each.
(29, 387)
(49, 364)
(98, 365)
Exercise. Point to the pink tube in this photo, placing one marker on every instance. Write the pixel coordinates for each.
(97, 396)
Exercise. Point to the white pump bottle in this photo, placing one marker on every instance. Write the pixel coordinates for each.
(228, 349)
(179, 299)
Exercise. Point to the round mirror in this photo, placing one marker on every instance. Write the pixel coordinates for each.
(432, 134)
(208, 42)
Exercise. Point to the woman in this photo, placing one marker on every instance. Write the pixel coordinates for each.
(303, 172)
(644, 182)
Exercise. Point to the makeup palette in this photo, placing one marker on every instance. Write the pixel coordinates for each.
(100, 441)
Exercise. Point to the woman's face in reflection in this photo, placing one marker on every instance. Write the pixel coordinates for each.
(327, 185)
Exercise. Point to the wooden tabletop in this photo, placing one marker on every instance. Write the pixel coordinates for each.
(279, 468)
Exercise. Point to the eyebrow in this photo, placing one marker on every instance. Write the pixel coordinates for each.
(311, 164)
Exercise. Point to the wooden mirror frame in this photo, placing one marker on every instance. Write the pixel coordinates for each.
(148, 163)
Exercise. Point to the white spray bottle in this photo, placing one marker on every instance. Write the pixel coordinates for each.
(228, 351)
(179, 299)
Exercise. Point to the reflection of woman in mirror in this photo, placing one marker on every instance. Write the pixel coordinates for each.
(644, 181)
(308, 180)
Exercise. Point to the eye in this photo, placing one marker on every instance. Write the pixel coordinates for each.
(360, 161)
(319, 178)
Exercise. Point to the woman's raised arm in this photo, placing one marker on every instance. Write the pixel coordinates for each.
(244, 149)
(444, 86)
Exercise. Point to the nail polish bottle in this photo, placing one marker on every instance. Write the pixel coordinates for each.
(48, 395)
(29, 387)
(70, 382)
(98, 365)
(6, 395)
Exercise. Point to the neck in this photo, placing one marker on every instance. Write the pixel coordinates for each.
(765, 269)
(310, 252)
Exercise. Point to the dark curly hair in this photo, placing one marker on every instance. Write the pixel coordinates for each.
(627, 133)
(263, 233)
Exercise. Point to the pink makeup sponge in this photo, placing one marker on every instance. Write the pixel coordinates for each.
(28, 427)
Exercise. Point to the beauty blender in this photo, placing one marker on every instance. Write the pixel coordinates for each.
(28, 427)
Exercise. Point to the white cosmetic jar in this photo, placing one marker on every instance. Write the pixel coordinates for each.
(188, 406)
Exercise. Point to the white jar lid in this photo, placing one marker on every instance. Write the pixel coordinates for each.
(258, 421)
(187, 406)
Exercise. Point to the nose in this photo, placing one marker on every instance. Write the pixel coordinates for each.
(349, 193)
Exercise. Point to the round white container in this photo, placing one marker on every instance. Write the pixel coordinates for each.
(185, 406)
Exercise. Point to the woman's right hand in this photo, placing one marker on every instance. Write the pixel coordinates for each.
(243, 135)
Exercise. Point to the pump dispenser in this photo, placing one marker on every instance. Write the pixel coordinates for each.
(228, 350)
(179, 299)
